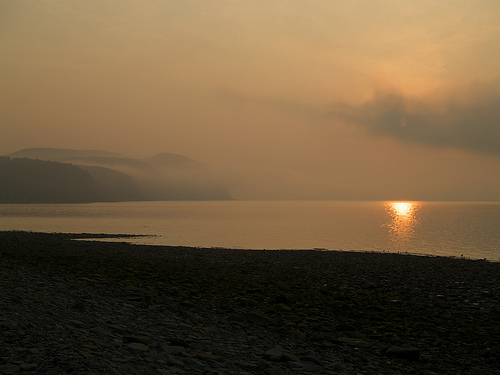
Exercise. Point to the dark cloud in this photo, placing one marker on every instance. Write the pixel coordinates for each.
(469, 119)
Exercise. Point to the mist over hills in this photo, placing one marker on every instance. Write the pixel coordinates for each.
(46, 175)
(57, 154)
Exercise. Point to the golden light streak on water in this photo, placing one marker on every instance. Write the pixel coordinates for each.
(404, 220)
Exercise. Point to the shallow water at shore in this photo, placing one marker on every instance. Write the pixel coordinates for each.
(470, 229)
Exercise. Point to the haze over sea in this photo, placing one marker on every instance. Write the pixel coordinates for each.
(469, 229)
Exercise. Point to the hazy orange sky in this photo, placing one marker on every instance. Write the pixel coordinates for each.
(291, 99)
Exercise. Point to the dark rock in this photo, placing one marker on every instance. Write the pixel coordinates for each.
(188, 304)
(274, 354)
(177, 341)
(236, 318)
(28, 366)
(175, 350)
(259, 318)
(100, 331)
(138, 347)
(79, 306)
(346, 327)
(173, 361)
(359, 343)
(410, 354)
(117, 329)
(308, 366)
(274, 371)
(302, 365)
(338, 367)
(77, 323)
(311, 359)
(287, 357)
(282, 299)
(9, 369)
(294, 365)
(141, 339)
(194, 363)
(210, 357)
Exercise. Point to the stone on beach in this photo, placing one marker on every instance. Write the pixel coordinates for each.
(410, 354)
(137, 346)
(259, 318)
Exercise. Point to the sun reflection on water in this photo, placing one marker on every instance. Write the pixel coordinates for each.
(404, 220)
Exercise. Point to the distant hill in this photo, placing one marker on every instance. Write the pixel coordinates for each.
(116, 177)
(113, 185)
(119, 163)
(38, 181)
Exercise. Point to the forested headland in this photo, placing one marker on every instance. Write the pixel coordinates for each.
(75, 176)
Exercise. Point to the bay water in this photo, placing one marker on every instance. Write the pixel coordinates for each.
(468, 229)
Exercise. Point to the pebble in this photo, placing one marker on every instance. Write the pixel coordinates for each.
(137, 346)
(259, 318)
(410, 354)
(273, 354)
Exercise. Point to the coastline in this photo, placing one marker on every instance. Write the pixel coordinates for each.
(444, 229)
(334, 311)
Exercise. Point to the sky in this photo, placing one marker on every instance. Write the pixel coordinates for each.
(323, 99)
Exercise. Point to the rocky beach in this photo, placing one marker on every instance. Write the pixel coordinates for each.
(71, 306)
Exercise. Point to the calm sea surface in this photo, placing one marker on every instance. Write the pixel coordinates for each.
(436, 228)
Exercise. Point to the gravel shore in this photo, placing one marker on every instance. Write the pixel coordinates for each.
(89, 307)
